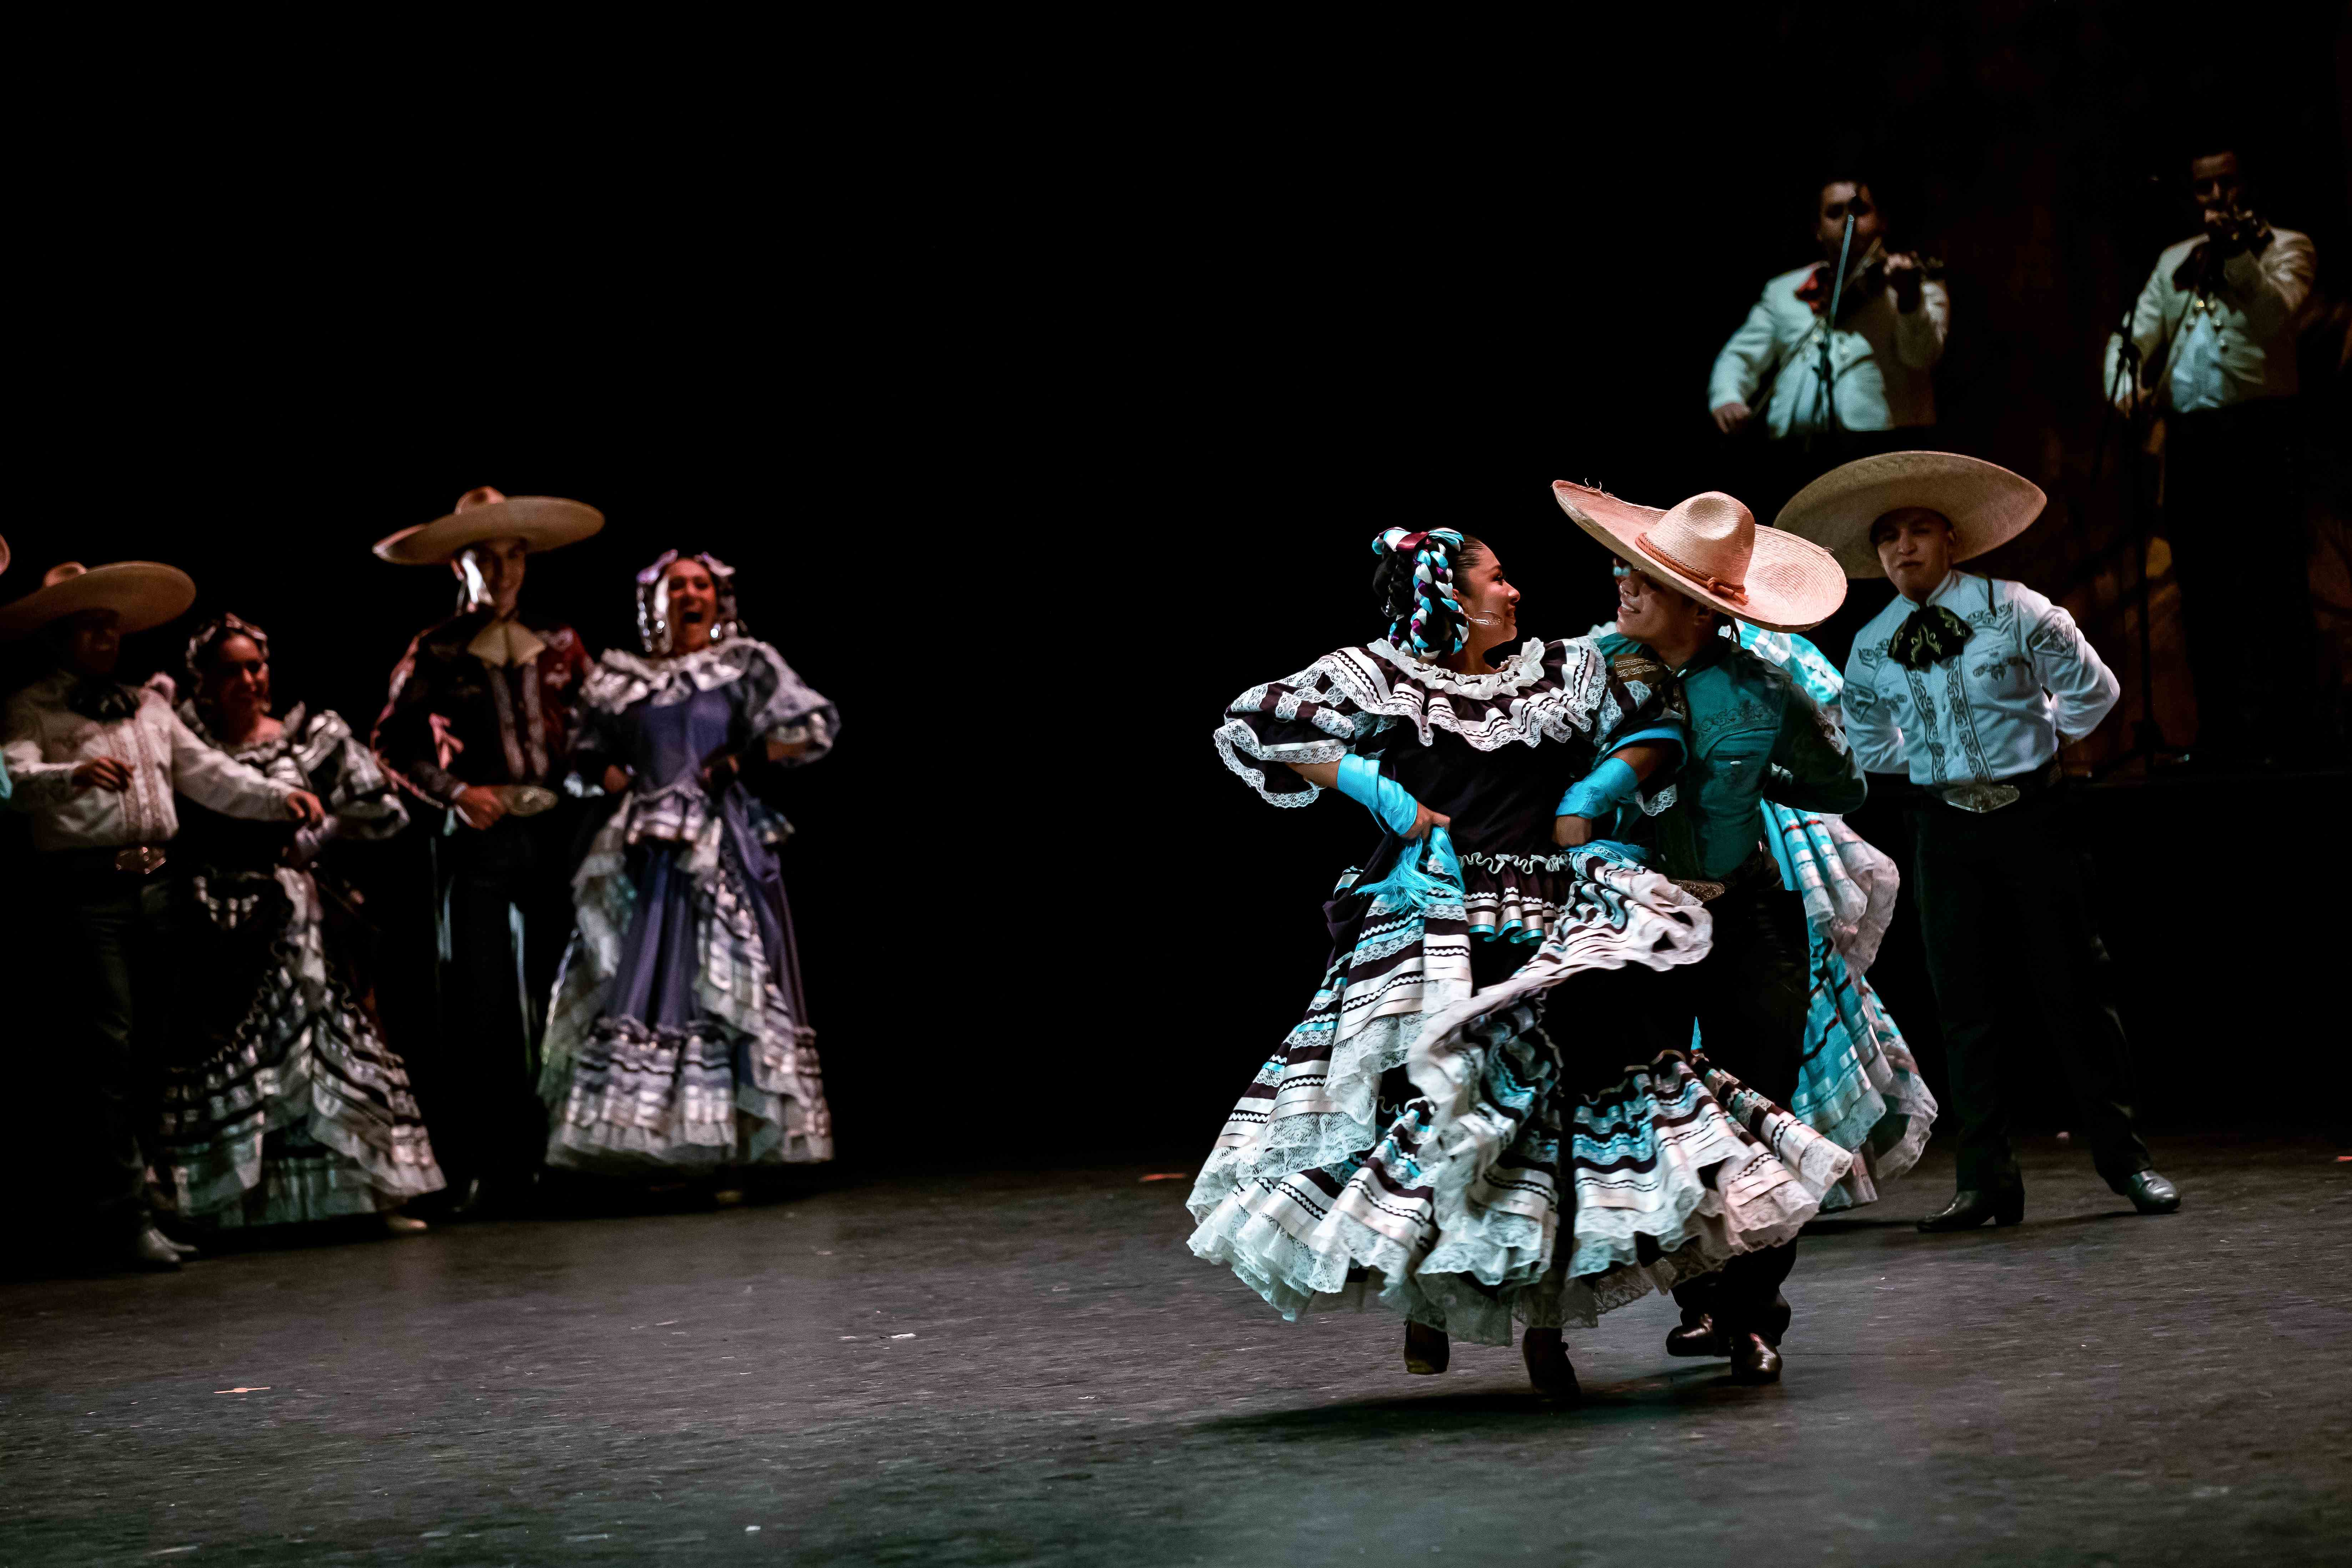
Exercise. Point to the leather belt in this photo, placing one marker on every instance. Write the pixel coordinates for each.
(1738, 877)
(1982, 796)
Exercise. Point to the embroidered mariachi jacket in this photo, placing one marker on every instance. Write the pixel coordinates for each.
(1755, 736)
(452, 721)
(2025, 682)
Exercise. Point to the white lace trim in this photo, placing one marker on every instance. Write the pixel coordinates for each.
(1424, 696)
(1524, 670)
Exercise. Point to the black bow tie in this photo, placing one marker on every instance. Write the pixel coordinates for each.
(104, 700)
(1929, 635)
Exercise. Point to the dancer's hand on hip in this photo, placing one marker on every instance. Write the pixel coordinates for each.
(479, 806)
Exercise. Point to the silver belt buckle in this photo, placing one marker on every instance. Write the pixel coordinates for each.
(1982, 797)
(139, 859)
(526, 800)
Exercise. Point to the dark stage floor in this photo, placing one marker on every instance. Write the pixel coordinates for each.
(1031, 1369)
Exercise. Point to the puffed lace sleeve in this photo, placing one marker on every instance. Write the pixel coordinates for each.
(348, 779)
(1308, 717)
(777, 705)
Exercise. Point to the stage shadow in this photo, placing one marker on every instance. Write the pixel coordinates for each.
(1666, 1395)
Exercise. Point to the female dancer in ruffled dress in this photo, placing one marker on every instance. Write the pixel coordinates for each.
(1360, 1157)
(679, 1038)
(288, 1105)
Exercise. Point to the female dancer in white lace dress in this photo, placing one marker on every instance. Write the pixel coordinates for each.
(679, 1038)
(1403, 1136)
(287, 1104)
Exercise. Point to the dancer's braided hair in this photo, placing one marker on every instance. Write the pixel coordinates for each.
(1413, 587)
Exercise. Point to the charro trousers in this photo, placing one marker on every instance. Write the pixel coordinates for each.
(1748, 997)
(113, 933)
(2002, 900)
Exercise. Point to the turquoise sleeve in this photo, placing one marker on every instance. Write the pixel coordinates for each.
(1601, 790)
(1360, 781)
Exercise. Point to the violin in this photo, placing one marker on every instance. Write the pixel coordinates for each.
(1870, 275)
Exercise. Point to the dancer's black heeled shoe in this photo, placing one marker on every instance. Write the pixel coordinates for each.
(1754, 1358)
(1548, 1366)
(1426, 1350)
(1700, 1336)
(1970, 1208)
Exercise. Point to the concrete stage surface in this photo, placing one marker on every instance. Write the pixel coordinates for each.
(1030, 1368)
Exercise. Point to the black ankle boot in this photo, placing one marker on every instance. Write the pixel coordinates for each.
(1754, 1358)
(1699, 1335)
(1970, 1207)
(1548, 1366)
(2150, 1192)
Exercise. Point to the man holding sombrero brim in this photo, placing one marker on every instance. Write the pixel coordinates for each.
(96, 764)
(1754, 735)
(479, 722)
(1970, 684)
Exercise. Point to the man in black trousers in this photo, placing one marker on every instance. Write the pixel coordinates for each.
(479, 723)
(1971, 685)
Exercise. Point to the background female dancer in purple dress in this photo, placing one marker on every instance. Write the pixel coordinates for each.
(679, 1038)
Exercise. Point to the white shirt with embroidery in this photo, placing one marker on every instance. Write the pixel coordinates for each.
(45, 740)
(2234, 343)
(1881, 361)
(2027, 682)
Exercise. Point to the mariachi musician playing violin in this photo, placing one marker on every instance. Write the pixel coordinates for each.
(1892, 313)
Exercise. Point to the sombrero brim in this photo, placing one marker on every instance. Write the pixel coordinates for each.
(142, 593)
(1793, 586)
(1988, 505)
(542, 523)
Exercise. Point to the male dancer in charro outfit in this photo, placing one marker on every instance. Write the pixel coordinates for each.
(1971, 684)
(1755, 736)
(96, 766)
(479, 722)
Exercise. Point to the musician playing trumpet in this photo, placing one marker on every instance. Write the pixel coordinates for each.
(2212, 351)
(1891, 315)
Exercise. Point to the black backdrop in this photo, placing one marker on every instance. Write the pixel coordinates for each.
(1041, 437)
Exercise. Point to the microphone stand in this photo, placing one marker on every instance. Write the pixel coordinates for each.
(2148, 744)
(1829, 327)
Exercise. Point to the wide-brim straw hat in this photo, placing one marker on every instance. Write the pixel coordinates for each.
(1986, 505)
(141, 594)
(542, 523)
(1710, 548)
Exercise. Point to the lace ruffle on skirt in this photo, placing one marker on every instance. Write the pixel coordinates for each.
(1858, 1086)
(1452, 1208)
(739, 1082)
(307, 1113)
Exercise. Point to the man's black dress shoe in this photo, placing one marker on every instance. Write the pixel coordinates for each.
(2150, 1194)
(1548, 1366)
(150, 1249)
(1700, 1336)
(1754, 1358)
(1970, 1208)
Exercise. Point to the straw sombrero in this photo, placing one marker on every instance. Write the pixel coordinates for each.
(1710, 548)
(142, 593)
(1986, 505)
(542, 523)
